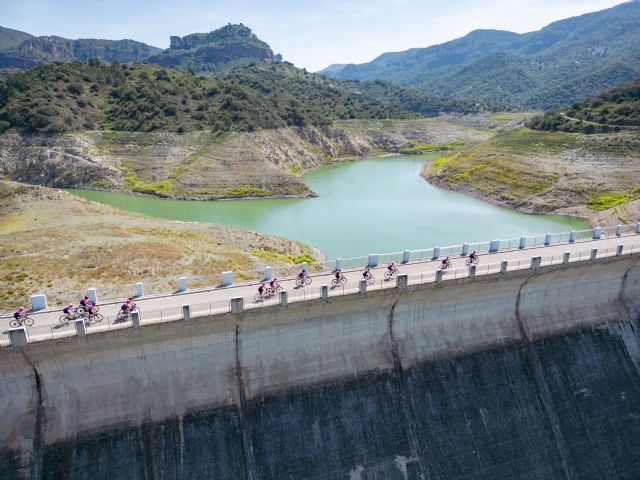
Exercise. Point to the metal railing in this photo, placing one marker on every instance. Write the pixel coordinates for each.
(46, 332)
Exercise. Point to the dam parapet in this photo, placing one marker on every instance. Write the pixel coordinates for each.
(392, 383)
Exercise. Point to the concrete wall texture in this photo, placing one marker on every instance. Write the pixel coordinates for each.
(519, 375)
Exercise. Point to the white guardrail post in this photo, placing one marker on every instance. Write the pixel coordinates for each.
(93, 295)
(547, 240)
(324, 292)
(362, 287)
(135, 318)
(402, 282)
(227, 279)
(472, 271)
(186, 312)
(565, 258)
(284, 298)
(619, 230)
(638, 227)
(572, 236)
(406, 256)
(237, 305)
(19, 337)
(619, 249)
(438, 276)
(523, 243)
(39, 302)
(184, 284)
(139, 289)
(494, 246)
(373, 260)
(436, 253)
(81, 328)
(503, 266)
(597, 233)
(536, 262)
(465, 249)
(594, 253)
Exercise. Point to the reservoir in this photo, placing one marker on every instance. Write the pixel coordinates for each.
(376, 205)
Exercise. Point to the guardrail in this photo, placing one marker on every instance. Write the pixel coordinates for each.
(408, 256)
(21, 336)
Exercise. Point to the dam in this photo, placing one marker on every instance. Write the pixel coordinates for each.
(533, 373)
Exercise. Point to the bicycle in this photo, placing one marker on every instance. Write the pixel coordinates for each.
(123, 316)
(66, 317)
(82, 310)
(390, 273)
(472, 260)
(302, 281)
(93, 317)
(22, 320)
(341, 280)
(445, 265)
(370, 279)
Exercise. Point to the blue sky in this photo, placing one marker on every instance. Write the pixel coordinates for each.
(309, 34)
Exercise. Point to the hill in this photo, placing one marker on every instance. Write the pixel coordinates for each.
(565, 62)
(231, 45)
(22, 50)
(609, 111)
(78, 96)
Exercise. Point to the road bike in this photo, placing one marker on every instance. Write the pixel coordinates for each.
(390, 273)
(341, 280)
(123, 316)
(445, 264)
(301, 281)
(472, 260)
(22, 320)
(370, 279)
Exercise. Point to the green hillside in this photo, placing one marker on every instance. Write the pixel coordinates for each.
(10, 38)
(78, 96)
(565, 62)
(612, 110)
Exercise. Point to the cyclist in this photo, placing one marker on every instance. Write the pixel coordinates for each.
(367, 273)
(338, 274)
(127, 306)
(445, 261)
(392, 266)
(85, 301)
(261, 288)
(91, 309)
(69, 310)
(302, 274)
(19, 313)
(273, 284)
(473, 255)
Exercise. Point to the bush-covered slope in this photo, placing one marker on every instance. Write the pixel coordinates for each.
(143, 97)
(619, 107)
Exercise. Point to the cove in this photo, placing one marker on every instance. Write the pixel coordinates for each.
(376, 205)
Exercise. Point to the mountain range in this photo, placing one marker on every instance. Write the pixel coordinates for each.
(564, 62)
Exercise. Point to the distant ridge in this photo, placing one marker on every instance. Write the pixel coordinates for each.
(22, 50)
(566, 61)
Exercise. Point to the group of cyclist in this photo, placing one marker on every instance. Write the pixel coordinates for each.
(339, 278)
(87, 308)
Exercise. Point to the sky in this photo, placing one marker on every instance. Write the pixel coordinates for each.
(310, 34)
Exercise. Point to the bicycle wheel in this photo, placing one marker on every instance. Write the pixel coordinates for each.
(307, 280)
(27, 321)
(334, 282)
(468, 262)
(64, 319)
(257, 297)
(80, 310)
(388, 274)
(476, 260)
(370, 280)
(96, 317)
(14, 323)
(343, 279)
(299, 282)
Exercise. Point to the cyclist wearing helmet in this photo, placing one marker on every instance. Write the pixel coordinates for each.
(69, 310)
(19, 313)
(261, 288)
(338, 274)
(366, 273)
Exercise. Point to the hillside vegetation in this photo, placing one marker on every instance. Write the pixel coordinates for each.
(79, 96)
(619, 107)
(550, 172)
(565, 62)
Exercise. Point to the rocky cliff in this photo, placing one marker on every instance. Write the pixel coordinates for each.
(208, 165)
(229, 45)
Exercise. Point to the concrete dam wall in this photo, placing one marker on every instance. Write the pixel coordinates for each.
(528, 374)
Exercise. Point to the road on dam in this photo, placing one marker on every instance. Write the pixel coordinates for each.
(579, 250)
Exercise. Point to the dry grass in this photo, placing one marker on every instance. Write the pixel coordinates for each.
(55, 243)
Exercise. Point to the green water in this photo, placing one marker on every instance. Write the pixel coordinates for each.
(376, 205)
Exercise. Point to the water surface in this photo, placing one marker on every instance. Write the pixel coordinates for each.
(375, 205)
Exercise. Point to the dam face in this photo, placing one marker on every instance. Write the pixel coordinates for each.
(530, 374)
